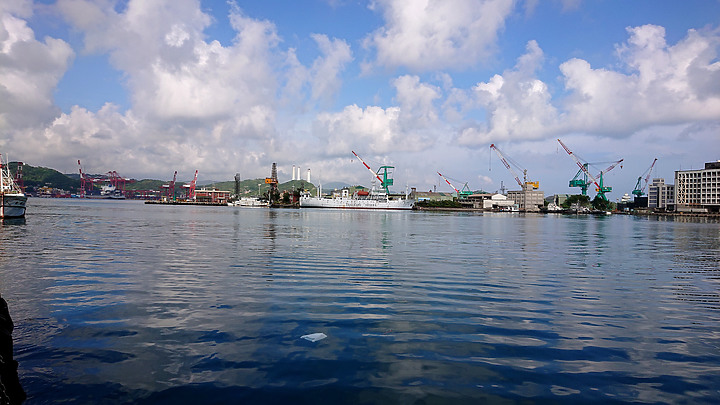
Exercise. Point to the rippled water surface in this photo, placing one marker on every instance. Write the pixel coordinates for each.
(122, 302)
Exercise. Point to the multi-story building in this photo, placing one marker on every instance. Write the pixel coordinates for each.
(528, 199)
(661, 195)
(698, 190)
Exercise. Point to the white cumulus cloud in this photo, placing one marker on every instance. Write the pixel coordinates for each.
(29, 71)
(424, 35)
(656, 84)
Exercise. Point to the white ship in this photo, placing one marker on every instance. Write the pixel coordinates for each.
(378, 200)
(374, 199)
(12, 198)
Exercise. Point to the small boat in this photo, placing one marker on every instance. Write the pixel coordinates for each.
(12, 198)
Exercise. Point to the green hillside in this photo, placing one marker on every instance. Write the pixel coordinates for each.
(36, 177)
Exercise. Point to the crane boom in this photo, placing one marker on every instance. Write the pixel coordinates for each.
(612, 166)
(448, 182)
(506, 164)
(368, 167)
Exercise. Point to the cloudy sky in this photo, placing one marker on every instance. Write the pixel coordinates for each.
(149, 87)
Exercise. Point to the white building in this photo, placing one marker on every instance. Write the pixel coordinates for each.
(661, 195)
(498, 202)
(698, 190)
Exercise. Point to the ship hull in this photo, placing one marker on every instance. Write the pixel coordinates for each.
(356, 203)
(12, 205)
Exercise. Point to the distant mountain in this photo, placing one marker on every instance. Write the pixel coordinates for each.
(335, 185)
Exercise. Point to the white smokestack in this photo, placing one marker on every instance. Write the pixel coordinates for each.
(308, 176)
(293, 175)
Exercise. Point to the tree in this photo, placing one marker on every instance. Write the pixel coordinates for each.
(602, 205)
(579, 199)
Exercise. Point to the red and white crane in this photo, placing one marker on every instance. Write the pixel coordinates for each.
(523, 184)
(171, 188)
(465, 191)
(86, 182)
(448, 182)
(368, 167)
(191, 188)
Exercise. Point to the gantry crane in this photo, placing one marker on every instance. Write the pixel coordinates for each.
(525, 185)
(601, 188)
(460, 193)
(171, 188)
(386, 180)
(191, 188)
(644, 178)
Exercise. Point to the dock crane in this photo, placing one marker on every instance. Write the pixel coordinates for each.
(525, 184)
(191, 188)
(644, 178)
(581, 179)
(171, 188)
(601, 189)
(464, 192)
(385, 181)
(83, 181)
(87, 183)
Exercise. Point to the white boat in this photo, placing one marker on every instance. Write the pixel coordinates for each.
(107, 192)
(12, 198)
(249, 202)
(377, 200)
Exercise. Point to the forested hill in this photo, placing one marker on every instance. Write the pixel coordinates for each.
(36, 177)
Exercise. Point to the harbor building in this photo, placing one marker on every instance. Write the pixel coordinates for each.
(698, 190)
(660, 195)
(528, 199)
(213, 196)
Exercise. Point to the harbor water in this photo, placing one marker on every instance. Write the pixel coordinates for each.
(118, 302)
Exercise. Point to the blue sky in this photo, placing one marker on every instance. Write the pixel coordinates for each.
(147, 88)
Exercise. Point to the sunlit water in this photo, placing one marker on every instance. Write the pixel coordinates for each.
(122, 302)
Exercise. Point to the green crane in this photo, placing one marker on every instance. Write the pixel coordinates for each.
(583, 182)
(601, 188)
(640, 190)
(581, 179)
